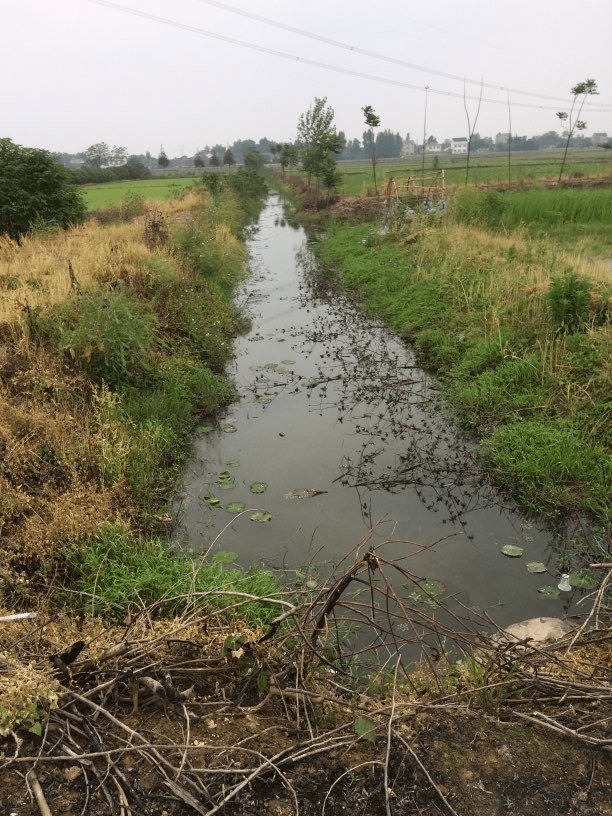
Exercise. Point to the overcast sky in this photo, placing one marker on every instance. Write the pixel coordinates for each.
(180, 74)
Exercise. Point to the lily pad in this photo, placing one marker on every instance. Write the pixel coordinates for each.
(209, 498)
(226, 480)
(303, 493)
(550, 592)
(235, 507)
(229, 429)
(512, 551)
(258, 487)
(261, 516)
(584, 579)
(233, 463)
(535, 566)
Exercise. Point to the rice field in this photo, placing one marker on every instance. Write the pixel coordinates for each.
(491, 168)
(99, 196)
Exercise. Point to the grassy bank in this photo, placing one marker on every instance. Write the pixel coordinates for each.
(518, 329)
(115, 342)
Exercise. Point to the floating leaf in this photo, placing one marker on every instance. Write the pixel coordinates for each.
(232, 463)
(288, 362)
(229, 429)
(535, 566)
(258, 487)
(512, 551)
(226, 480)
(550, 592)
(208, 427)
(261, 516)
(303, 493)
(584, 579)
(272, 366)
(365, 728)
(235, 507)
(211, 499)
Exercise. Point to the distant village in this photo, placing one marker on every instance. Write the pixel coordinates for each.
(388, 145)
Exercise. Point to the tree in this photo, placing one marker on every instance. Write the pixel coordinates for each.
(198, 161)
(318, 139)
(162, 159)
(228, 158)
(34, 189)
(253, 159)
(98, 154)
(288, 157)
(580, 91)
(214, 161)
(372, 121)
(117, 156)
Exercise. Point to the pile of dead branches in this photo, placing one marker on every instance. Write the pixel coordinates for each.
(156, 712)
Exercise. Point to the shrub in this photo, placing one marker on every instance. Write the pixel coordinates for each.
(35, 190)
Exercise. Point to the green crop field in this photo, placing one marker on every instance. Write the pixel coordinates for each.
(99, 196)
(484, 168)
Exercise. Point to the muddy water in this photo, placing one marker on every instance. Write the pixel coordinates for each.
(331, 404)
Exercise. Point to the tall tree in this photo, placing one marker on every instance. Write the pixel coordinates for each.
(228, 159)
(372, 121)
(162, 159)
(214, 161)
(318, 139)
(581, 92)
(198, 161)
(98, 154)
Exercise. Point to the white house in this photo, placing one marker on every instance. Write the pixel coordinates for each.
(459, 145)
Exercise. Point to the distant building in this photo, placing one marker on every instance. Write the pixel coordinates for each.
(409, 146)
(459, 145)
(433, 147)
(502, 138)
(599, 138)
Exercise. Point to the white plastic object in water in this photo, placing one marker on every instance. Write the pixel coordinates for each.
(564, 583)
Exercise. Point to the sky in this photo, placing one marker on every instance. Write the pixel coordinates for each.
(143, 74)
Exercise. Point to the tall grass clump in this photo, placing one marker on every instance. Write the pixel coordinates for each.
(111, 335)
(568, 301)
(109, 573)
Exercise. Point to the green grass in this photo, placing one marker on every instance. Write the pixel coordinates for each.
(99, 196)
(521, 341)
(113, 572)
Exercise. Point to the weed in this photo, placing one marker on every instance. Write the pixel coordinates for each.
(110, 335)
(568, 302)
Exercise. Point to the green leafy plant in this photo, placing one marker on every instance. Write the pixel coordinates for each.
(568, 302)
(110, 335)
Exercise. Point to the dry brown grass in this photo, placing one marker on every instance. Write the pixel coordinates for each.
(36, 273)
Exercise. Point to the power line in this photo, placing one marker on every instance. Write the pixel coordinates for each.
(304, 60)
(384, 57)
